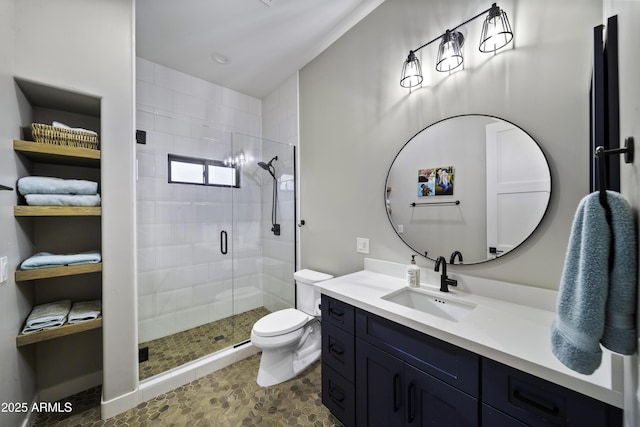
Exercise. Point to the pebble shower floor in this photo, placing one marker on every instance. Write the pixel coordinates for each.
(177, 349)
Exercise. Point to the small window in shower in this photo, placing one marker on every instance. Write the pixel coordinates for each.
(194, 170)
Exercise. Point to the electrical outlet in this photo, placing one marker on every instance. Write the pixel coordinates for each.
(362, 245)
(4, 269)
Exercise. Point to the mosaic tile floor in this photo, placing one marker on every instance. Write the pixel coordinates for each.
(229, 397)
(175, 350)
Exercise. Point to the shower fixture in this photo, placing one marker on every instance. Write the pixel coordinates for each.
(275, 227)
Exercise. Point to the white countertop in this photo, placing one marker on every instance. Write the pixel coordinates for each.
(516, 334)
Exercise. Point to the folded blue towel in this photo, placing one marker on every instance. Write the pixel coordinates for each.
(47, 316)
(85, 310)
(50, 185)
(45, 260)
(63, 199)
(588, 297)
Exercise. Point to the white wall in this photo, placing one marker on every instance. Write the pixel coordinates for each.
(17, 370)
(354, 117)
(87, 47)
(280, 123)
(628, 16)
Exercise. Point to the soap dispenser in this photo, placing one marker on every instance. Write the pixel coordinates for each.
(413, 274)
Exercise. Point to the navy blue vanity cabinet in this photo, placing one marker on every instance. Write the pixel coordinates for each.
(523, 399)
(404, 377)
(338, 358)
(450, 364)
(390, 392)
(376, 372)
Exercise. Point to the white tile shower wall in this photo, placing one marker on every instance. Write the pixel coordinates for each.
(183, 278)
(280, 123)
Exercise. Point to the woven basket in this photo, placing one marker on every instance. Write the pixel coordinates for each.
(46, 134)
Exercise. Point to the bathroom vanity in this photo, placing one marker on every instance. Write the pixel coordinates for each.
(391, 358)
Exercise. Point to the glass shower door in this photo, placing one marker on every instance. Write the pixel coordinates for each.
(209, 265)
(263, 259)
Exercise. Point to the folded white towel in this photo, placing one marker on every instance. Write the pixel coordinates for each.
(85, 310)
(63, 200)
(47, 316)
(46, 259)
(63, 126)
(52, 185)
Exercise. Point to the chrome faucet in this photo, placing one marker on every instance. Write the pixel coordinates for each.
(445, 282)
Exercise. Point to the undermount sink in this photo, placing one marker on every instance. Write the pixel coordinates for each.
(427, 302)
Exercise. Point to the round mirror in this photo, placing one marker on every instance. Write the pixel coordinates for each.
(472, 184)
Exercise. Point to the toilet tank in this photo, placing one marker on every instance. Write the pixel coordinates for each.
(307, 293)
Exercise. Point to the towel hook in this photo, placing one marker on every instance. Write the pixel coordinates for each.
(601, 153)
(4, 187)
(628, 150)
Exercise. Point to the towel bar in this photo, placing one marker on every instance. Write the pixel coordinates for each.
(455, 202)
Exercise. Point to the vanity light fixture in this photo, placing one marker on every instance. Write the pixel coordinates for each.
(449, 51)
(496, 33)
(411, 72)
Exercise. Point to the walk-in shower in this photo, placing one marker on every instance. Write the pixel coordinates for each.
(269, 167)
(208, 268)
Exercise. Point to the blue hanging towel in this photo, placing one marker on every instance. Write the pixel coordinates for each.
(620, 326)
(597, 300)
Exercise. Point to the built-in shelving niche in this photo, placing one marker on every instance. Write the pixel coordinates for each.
(69, 358)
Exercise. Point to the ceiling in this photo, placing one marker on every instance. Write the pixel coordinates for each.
(264, 41)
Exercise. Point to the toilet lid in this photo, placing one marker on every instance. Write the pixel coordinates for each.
(280, 322)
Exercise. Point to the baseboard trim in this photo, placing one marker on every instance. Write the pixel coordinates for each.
(30, 419)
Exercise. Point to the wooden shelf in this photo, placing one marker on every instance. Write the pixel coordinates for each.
(57, 211)
(67, 270)
(49, 153)
(66, 329)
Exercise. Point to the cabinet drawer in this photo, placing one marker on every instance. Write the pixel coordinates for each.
(338, 395)
(338, 313)
(493, 417)
(338, 350)
(447, 362)
(537, 402)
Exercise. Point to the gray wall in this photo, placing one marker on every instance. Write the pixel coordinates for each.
(45, 36)
(628, 15)
(354, 117)
(17, 370)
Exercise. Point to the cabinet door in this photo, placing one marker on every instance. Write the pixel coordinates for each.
(431, 402)
(379, 387)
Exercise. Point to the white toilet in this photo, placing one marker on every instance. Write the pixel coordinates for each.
(290, 339)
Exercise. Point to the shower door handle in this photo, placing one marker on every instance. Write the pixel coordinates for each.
(223, 242)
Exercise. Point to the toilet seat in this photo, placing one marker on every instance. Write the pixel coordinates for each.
(280, 322)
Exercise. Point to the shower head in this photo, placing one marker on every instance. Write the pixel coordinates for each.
(269, 167)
